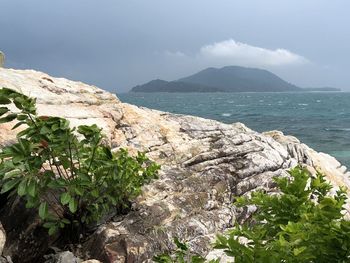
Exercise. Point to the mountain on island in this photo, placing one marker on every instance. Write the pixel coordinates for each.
(159, 85)
(226, 79)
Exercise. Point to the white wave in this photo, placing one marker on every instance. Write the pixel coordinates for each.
(337, 129)
(226, 114)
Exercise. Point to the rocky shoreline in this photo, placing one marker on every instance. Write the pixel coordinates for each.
(205, 164)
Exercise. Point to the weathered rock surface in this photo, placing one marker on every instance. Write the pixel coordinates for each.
(62, 257)
(2, 238)
(205, 164)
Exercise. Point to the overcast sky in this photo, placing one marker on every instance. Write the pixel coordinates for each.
(118, 44)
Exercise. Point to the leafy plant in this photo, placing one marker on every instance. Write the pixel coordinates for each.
(302, 224)
(68, 174)
(180, 255)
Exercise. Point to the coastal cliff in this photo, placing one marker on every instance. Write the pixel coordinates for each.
(205, 164)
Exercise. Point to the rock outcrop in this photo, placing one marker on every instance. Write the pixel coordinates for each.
(205, 164)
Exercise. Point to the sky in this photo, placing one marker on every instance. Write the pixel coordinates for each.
(116, 45)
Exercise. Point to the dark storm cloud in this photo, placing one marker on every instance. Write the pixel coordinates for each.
(117, 44)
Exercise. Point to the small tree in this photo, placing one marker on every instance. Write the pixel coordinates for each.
(68, 174)
(302, 224)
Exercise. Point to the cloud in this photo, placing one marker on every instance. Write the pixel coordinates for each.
(234, 52)
(231, 52)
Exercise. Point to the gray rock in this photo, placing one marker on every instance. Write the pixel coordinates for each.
(62, 257)
(6, 259)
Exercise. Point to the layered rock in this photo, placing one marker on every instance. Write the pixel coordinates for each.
(205, 164)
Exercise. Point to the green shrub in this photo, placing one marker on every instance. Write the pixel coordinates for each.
(69, 175)
(180, 255)
(303, 224)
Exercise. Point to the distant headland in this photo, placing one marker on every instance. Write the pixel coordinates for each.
(226, 79)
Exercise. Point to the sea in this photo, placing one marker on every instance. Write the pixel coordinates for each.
(319, 119)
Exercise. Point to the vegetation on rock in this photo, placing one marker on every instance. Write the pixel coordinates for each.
(69, 174)
(180, 255)
(303, 223)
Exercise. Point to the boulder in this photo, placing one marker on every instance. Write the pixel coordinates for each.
(205, 164)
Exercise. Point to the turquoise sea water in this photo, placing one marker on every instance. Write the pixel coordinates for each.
(321, 120)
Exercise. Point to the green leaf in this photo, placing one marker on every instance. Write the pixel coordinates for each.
(18, 124)
(78, 190)
(30, 204)
(197, 259)
(108, 152)
(297, 251)
(65, 198)
(9, 185)
(53, 230)
(43, 210)
(9, 92)
(32, 188)
(8, 118)
(18, 102)
(45, 130)
(53, 184)
(180, 245)
(22, 117)
(4, 100)
(65, 221)
(221, 239)
(13, 173)
(22, 188)
(73, 205)
(3, 110)
(49, 224)
(164, 258)
(95, 193)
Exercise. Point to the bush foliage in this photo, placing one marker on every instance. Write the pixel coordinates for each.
(68, 174)
(302, 224)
